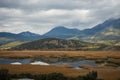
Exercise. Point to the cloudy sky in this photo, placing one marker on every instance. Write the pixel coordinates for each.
(39, 16)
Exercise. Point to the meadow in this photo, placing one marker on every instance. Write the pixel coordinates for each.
(106, 72)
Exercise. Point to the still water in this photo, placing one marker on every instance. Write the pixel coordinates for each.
(29, 61)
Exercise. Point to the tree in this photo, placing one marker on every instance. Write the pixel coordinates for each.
(91, 76)
(56, 76)
(4, 75)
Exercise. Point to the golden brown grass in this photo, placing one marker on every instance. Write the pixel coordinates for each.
(106, 73)
(39, 69)
(85, 54)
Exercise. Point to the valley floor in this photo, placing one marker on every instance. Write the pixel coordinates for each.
(105, 73)
(110, 71)
(82, 54)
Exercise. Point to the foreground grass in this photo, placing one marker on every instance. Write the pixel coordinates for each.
(105, 73)
(39, 69)
(4, 75)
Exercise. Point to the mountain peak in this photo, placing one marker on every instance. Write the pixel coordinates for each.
(25, 32)
(28, 33)
(63, 27)
(62, 32)
(60, 27)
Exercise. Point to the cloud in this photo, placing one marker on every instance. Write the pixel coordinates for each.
(39, 16)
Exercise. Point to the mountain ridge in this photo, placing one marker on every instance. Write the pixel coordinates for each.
(62, 32)
(66, 33)
(28, 33)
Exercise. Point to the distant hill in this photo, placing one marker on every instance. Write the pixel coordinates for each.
(29, 36)
(99, 27)
(25, 36)
(7, 38)
(109, 30)
(108, 26)
(11, 44)
(4, 40)
(62, 32)
(52, 43)
(10, 35)
(61, 44)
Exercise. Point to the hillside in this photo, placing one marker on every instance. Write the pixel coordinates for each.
(109, 28)
(99, 27)
(62, 32)
(4, 40)
(110, 32)
(99, 32)
(7, 38)
(54, 43)
(29, 36)
(11, 44)
(23, 36)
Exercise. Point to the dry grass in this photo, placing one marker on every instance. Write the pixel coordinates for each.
(38, 69)
(106, 73)
(85, 54)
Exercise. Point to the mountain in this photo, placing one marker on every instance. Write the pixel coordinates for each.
(10, 35)
(106, 33)
(100, 27)
(62, 32)
(25, 36)
(109, 30)
(5, 40)
(53, 43)
(30, 36)
(11, 44)
(108, 26)
(6, 37)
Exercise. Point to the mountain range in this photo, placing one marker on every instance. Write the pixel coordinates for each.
(108, 30)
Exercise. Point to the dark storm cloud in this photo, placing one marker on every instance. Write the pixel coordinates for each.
(42, 15)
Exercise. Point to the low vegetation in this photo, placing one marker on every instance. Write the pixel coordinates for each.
(75, 54)
(61, 44)
(4, 75)
(11, 44)
(105, 70)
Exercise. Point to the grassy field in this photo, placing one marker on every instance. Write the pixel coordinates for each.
(83, 54)
(104, 72)
(37, 69)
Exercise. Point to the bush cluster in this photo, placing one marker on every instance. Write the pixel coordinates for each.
(4, 75)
